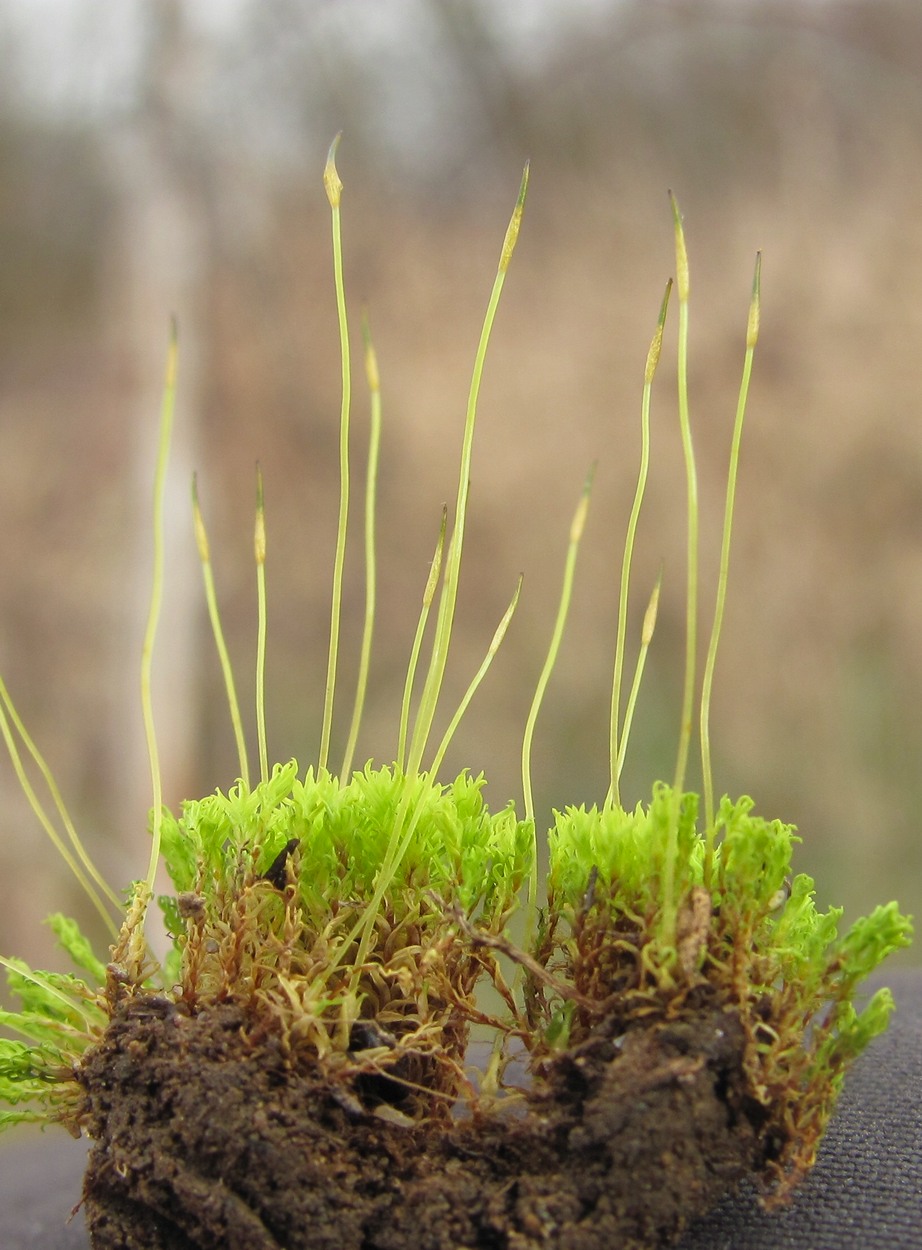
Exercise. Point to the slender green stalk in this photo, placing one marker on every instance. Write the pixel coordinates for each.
(259, 550)
(616, 747)
(167, 409)
(669, 912)
(646, 637)
(495, 644)
(374, 442)
(57, 798)
(576, 532)
(334, 187)
(752, 337)
(691, 599)
(211, 599)
(83, 877)
(445, 620)
(432, 582)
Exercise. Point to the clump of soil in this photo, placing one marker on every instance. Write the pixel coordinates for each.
(209, 1135)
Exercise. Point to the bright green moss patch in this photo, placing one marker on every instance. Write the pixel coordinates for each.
(451, 842)
(275, 888)
(750, 935)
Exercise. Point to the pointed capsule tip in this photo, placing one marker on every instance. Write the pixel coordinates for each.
(515, 222)
(259, 535)
(755, 309)
(656, 343)
(682, 280)
(582, 508)
(172, 357)
(198, 523)
(371, 359)
(649, 619)
(331, 179)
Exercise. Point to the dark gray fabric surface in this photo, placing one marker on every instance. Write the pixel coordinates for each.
(40, 1175)
(865, 1192)
(866, 1189)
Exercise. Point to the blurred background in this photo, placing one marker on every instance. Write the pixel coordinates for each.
(164, 157)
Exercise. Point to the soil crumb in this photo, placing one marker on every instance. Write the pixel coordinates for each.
(210, 1137)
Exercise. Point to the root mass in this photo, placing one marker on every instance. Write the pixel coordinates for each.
(210, 1138)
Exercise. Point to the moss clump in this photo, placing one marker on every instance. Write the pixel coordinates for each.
(285, 905)
(331, 936)
(641, 919)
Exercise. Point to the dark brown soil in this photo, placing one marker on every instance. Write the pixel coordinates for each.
(209, 1139)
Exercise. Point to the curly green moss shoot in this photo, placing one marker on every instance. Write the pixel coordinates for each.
(327, 898)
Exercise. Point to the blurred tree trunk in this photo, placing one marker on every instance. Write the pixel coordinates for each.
(161, 258)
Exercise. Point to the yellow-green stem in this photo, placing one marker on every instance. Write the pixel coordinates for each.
(646, 637)
(449, 594)
(211, 599)
(752, 337)
(167, 410)
(576, 532)
(371, 481)
(616, 746)
(8, 713)
(432, 582)
(334, 186)
(259, 551)
(495, 644)
(691, 597)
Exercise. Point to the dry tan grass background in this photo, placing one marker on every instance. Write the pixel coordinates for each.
(793, 128)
